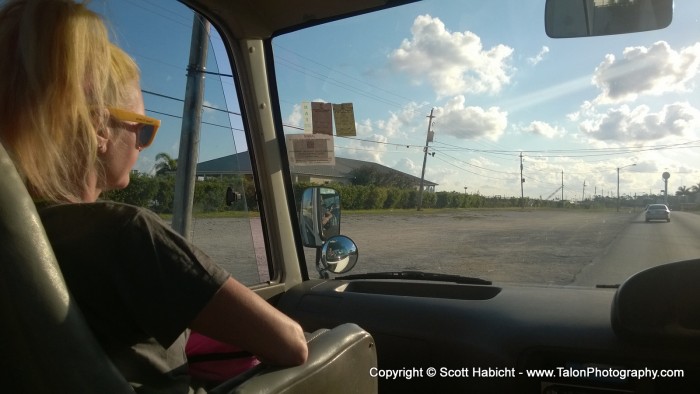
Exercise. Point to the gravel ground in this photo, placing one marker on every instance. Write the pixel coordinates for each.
(524, 246)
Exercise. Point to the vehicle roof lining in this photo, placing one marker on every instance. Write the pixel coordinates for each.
(265, 18)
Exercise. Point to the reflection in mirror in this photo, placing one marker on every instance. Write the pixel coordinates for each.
(232, 196)
(307, 223)
(330, 220)
(319, 215)
(339, 255)
(584, 18)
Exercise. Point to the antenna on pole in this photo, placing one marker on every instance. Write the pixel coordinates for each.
(428, 139)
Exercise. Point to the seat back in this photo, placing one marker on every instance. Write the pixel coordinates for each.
(45, 344)
(47, 347)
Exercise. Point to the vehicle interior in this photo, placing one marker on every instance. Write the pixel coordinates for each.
(379, 322)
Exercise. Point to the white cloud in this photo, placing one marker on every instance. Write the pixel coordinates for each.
(209, 107)
(640, 123)
(650, 70)
(395, 125)
(544, 129)
(464, 122)
(453, 63)
(376, 138)
(408, 166)
(539, 57)
(295, 119)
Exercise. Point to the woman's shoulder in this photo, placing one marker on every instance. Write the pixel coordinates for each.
(106, 212)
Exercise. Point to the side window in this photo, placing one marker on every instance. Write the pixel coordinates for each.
(225, 221)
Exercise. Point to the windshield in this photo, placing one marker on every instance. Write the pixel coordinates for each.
(463, 140)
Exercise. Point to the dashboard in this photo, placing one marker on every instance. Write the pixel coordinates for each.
(495, 338)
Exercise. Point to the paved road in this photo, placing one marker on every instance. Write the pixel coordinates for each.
(524, 246)
(545, 247)
(643, 245)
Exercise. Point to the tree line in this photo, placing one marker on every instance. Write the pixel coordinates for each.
(688, 191)
(158, 193)
(371, 189)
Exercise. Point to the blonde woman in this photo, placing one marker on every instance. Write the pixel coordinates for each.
(72, 119)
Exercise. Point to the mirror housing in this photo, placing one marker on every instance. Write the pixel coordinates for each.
(586, 18)
(319, 215)
(338, 256)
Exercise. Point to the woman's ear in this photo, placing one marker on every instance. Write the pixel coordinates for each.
(102, 144)
(102, 129)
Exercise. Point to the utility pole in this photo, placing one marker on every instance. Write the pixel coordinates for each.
(428, 138)
(583, 193)
(522, 180)
(185, 176)
(562, 188)
(618, 184)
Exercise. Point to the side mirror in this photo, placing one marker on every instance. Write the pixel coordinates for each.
(232, 196)
(585, 18)
(319, 215)
(338, 256)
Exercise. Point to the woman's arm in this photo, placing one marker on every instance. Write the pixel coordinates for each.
(238, 316)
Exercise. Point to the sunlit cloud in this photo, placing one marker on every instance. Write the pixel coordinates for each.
(641, 123)
(397, 122)
(467, 122)
(408, 166)
(452, 62)
(376, 138)
(544, 129)
(650, 70)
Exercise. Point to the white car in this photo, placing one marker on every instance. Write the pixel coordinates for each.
(657, 212)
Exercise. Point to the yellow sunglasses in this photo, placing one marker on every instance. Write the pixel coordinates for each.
(149, 126)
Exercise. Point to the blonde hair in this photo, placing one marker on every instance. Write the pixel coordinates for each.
(59, 69)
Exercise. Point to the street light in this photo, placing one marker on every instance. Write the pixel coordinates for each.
(618, 184)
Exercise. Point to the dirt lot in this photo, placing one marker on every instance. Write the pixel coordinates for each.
(533, 246)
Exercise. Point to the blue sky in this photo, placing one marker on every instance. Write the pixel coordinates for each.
(498, 84)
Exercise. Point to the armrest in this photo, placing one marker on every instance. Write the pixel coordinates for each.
(339, 362)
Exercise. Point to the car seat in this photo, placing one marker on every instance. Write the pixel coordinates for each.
(47, 347)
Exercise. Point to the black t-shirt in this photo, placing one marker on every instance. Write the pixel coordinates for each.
(138, 283)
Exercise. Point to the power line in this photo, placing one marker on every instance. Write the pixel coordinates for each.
(573, 153)
(182, 100)
(340, 84)
(473, 173)
(584, 151)
(334, 70)
(207, 123)
(473, 165)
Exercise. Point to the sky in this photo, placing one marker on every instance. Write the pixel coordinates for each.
(576, 109)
